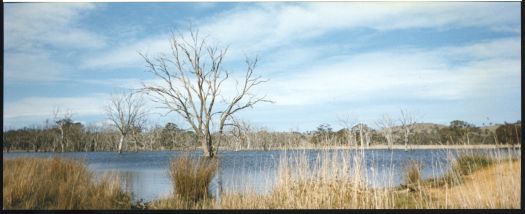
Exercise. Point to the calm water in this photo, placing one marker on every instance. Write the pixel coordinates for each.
(145, 173)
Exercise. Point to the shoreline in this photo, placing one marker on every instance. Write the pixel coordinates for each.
(399, 147)
(394, 147)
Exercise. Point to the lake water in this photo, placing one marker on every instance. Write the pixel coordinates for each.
(145, 174)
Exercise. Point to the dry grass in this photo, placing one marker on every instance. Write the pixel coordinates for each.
(36, 183)
(192, 178)
(413, 175)
(495, 186)
(339, 181)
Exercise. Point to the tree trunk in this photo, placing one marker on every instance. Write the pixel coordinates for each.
(361, 137)
(406, 140)
(120, 144)
(389, 141)
(61, 140)
(207, 147)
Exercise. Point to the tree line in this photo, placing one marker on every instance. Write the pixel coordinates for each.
(65, 135)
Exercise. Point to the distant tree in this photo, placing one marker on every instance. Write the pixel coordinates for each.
(509, 133)
(407, 121)
(172, 136)
(62, 121)
(126, 112)
(241, 133)
(460, 131)
(386, 125)
(323, 134)
(362, 133)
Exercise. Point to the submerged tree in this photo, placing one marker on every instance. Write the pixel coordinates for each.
(127, 113)
(62, 120)
(192, 77)
(407, 125)
(386, 123)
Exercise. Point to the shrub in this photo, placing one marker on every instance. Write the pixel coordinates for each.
(36, 183)
(191, 177)
(465, 165)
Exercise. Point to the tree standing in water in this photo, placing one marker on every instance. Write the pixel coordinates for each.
(192, 77)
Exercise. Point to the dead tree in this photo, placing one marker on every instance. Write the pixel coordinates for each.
(126, 112)
(62, 120)
(348, 123)
(386, 124)
(407, 125)
(240, 132)
(192, 77)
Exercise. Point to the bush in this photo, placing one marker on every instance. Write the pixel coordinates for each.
(191, 177)
(465, 165)
(36, 183)
(413, 175)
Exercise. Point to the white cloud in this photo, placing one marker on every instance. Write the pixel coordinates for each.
(265, 27)
(403, 73)
(34, 31)
(127, 55)
(32, 67)
(43, 106)
(29, 26)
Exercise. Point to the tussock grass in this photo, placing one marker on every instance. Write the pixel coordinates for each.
(191, 178)
(413, 175)
(57, 183)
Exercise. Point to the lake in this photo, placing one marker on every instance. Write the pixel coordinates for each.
(145, 174)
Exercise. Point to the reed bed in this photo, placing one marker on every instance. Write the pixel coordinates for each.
(330, 180)
(58, 183)
(340, 181)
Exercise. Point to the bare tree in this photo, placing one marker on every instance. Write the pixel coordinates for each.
(127, 113)
(386, 124)
(62, 120)
(364, 134)
(240, 131)
(407, 125)
(192, 77)
(348, 122)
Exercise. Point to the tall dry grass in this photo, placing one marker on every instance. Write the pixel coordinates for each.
(340, 180)
(57, 183)
(191, 178)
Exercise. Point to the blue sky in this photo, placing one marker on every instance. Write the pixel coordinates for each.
(325, 61)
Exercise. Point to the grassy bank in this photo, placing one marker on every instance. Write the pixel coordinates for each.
(36, 183)
(332, 181)
(335, 182)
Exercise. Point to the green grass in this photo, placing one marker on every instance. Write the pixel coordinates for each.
(462, 166)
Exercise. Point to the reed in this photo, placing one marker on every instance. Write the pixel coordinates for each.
(340, 181)
(191, 178)
(58, 183)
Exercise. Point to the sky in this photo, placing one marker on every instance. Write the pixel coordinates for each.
(326, 62)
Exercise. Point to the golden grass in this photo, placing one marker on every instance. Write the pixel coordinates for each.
(37, 183)
(191, 178)
(339, 182)
(495, 186)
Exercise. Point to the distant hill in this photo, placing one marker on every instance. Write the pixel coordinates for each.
(424, 127)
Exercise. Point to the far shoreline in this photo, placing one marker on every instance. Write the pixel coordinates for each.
(371, 147)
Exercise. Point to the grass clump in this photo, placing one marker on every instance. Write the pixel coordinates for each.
(191, 178)
(462, 166)
(465, 165)
(413, 175)
(58, 183)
